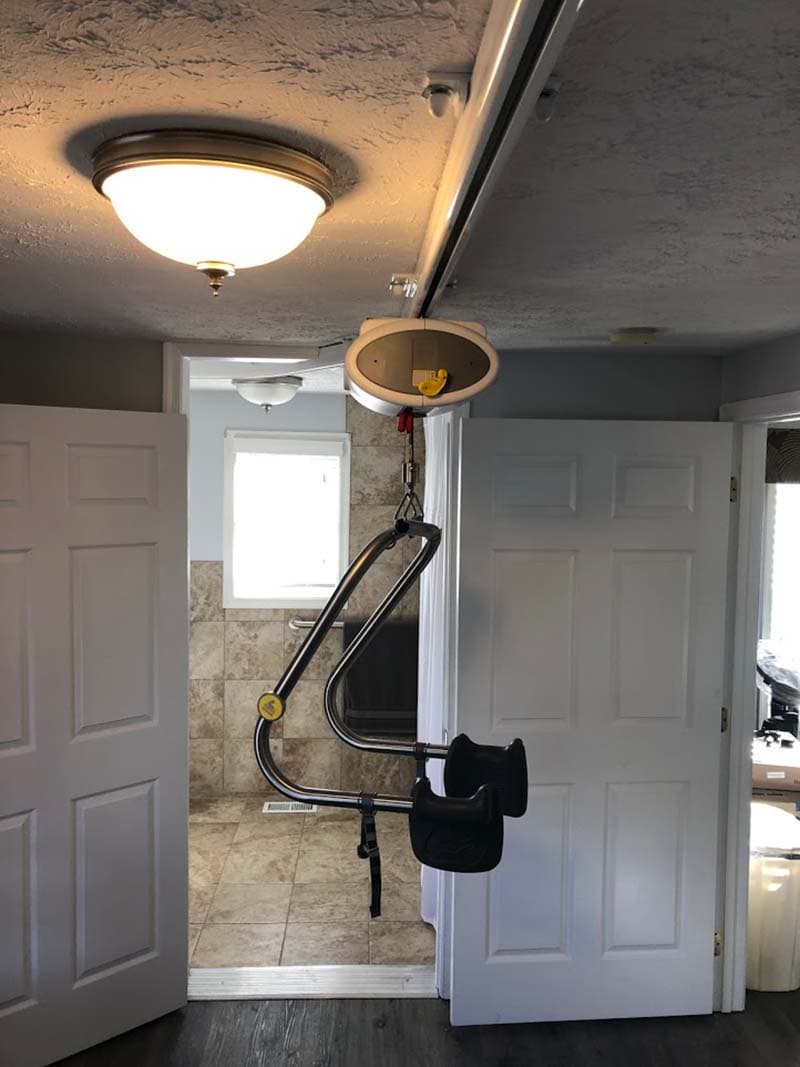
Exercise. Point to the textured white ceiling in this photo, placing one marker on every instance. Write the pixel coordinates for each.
(338, 77)
(665, 191)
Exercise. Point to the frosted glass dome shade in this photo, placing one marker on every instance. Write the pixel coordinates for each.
(268, 392)
(211, 212)
(219, 202)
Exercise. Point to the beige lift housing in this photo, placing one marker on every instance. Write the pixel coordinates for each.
(419, 364)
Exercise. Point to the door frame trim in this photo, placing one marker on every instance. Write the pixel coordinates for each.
(754, 417)
(736, 857)
(242, 983)
(175, 356)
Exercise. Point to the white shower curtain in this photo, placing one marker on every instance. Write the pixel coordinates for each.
(435, 612)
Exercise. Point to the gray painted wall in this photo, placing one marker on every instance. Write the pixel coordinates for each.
(762, 370)
(211, 413)
(602, 385)
(66, 370)
(118, 374)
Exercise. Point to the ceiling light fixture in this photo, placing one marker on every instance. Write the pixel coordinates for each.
(219, 202)
(268, 392)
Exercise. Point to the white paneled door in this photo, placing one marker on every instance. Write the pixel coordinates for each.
(93, 764)
(591, 622)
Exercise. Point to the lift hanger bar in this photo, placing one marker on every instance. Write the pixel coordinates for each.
(352, 578)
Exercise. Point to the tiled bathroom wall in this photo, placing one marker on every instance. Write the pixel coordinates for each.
(236, 654)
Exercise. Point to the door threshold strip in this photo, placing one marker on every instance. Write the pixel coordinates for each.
(336, 981)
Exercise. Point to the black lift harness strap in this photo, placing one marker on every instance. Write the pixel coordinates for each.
(368, 849)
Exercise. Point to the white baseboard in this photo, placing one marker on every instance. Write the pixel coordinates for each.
(304, 983)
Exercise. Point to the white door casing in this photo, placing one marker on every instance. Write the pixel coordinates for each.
(591, 624)
(93, 732)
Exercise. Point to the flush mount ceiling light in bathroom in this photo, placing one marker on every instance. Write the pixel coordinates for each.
(219, 202)
(268, 392)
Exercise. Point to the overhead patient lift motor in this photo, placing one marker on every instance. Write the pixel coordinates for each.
(461, 831)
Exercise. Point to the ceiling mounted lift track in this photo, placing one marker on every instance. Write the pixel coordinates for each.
(520, 45)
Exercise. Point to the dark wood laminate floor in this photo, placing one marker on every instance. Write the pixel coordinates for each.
(416, 1033)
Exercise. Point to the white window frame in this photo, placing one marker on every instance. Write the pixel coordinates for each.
(276, 441)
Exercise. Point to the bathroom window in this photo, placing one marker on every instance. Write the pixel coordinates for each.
(286, 518)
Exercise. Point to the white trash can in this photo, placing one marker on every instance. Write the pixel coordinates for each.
(773, 914)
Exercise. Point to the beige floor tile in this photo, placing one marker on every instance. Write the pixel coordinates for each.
(399, 942)
(389, 822)
(270, 827)
(399, 862)
(262, 861)
(328, 854)
(216, 809)
(319, 943)
(343, 902)
(239, 945)
(199, 900)
(329, 902)
(400, 901)
(250, 903)
(208, 847)
(328, 816)
(194, 933)
(254, 808)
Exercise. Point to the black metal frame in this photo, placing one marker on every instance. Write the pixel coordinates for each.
(355, 573)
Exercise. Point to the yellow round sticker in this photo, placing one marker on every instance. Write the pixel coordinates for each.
(270, 706)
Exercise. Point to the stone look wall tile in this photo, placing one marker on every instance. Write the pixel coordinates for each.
(366, 521)
(305, 713)
(253, 650)
(206, 650)
(369, 428)
(326, 655)
(241, 772)
(205, 766)
(376, 584)
(206, 708)
(254, 614)
(206, 591)
(375, 476)
(312, 762)
(376, 773)
(241, 712)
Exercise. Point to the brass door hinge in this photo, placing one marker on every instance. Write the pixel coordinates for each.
(723, 721)
(717, 943)
(734, 490)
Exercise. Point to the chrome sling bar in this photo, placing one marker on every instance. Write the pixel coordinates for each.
(352, 578)
(432, 535)
(336, 798)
